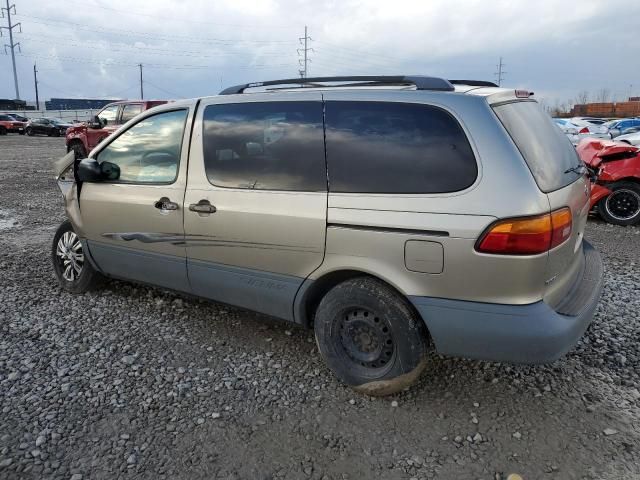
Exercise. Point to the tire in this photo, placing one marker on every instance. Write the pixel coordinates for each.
(622, 205)
(55, 133)
(78, 150)
(74, 273)
(3, 131)
(21, 132)
(370, 336)
(29, 132)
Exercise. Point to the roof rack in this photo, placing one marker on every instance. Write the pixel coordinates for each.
(420, 82)
(474, 83)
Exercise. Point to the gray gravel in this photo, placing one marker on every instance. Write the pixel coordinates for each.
(136, 382)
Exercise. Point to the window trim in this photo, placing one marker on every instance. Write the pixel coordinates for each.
(446, 111)
(241, 189)
(113, 138)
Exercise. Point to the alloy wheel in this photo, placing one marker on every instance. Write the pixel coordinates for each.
(70, 256)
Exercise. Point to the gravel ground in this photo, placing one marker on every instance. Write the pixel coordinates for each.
(136, 382)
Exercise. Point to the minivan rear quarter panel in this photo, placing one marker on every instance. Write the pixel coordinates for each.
(361, 226)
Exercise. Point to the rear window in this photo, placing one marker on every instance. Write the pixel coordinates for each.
(385, 147)
(546, 149)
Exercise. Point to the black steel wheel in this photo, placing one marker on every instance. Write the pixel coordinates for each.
(370, 336)
(622, 206)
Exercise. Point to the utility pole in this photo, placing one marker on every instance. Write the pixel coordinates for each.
(500, 73)
(304, 62)
(11, 45)
(141, 89)
(35, 83)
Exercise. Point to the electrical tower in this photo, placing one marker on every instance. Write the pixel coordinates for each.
(11, 45)
(500, 73)
(305, 52)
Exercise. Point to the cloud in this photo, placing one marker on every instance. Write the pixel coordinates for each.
(92, 48)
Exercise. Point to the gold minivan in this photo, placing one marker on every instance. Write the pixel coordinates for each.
(391, 214)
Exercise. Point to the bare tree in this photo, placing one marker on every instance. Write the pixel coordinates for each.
(603, 95)
(582, 97)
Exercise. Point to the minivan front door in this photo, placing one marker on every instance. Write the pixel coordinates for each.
(256, 204)
(133, 222)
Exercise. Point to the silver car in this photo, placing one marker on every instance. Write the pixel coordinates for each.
(393, 215)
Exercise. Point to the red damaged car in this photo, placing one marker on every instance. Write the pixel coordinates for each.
(615, 188)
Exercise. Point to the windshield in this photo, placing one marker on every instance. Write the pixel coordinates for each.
(547, 151)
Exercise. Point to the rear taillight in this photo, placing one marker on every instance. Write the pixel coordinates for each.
(584, 130)
(527, 236)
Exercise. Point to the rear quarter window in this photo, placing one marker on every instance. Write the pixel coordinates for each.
(404, 148)
(546, 149)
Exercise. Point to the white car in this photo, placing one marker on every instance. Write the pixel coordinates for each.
(577, 131)
(630, 138)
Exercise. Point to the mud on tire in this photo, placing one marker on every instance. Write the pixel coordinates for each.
(370, 336)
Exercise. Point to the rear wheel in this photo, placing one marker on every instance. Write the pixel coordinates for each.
(3, 131)
(622, 206)
(370, 336)
(75, 274)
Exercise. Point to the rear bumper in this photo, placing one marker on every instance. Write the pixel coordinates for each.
(533, 333)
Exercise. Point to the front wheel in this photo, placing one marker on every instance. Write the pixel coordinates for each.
(75, 274)
(622, 205)
(370, 336)
(29, 132)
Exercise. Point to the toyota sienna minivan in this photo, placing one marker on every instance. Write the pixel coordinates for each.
(392, 215)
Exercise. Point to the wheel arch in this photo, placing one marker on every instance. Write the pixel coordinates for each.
(312, 291)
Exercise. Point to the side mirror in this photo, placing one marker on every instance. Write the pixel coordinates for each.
(89, 170)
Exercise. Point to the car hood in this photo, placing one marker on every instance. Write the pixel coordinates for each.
(593, 152)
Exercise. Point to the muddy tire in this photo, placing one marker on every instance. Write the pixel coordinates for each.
(370, 336)
(73, 270)
(78, 150)
(622, 206)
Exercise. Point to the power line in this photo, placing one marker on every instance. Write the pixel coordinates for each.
(304, 63)
(12, 46)
(129, 12)
(500, 73)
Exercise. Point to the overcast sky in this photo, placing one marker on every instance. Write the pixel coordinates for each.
(91, 48)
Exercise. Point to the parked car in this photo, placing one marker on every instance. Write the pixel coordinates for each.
(53, 127)
(616, 190)
(387, 218)
(83, 138)
(589, 120)
(617, 127)
(575, 133)
(590, 129)
(18, 118)
(630, 138)
(9, 124)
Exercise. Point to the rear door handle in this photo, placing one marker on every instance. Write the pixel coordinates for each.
(203, 206)
(165, 204)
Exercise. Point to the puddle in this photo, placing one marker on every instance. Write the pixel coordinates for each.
(7, 222)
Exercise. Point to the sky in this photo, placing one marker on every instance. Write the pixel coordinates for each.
(191, 48)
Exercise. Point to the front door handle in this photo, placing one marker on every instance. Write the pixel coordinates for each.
(165, 204)
(203, 206)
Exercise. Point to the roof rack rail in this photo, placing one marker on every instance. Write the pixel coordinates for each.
(420, 82)
(474, 83)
